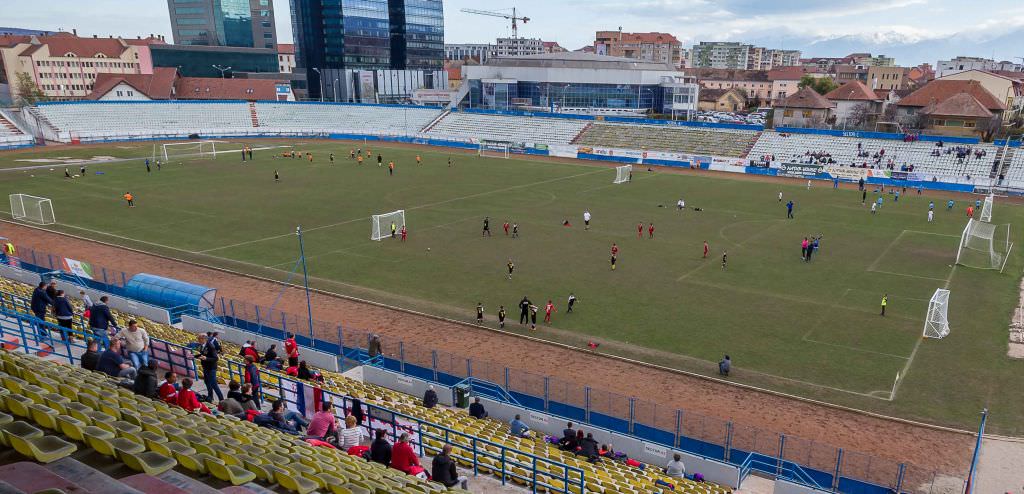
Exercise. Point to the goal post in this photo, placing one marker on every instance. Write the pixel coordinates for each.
(986, 208)
(496, 149)
(936, 324)
(190, 150)
(32, 209)
(382, 224)
(623, 174)
(984, 245)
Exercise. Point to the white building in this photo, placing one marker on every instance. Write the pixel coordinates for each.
(961, 64)
(461, 51)
(286, 58)
(517, 47)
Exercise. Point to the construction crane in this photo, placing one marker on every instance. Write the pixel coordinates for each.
(503, 15)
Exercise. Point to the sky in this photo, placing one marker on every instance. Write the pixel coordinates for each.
(817, 27)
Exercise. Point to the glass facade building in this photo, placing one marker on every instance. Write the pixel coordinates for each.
(334, 35)
(242, 23)
(500, 95)
(198, 61)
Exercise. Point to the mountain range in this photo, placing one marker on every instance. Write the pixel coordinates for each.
(911, 50)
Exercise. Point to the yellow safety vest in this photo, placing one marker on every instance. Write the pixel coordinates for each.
(9, 248)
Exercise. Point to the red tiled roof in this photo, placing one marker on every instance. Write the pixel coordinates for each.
(454, 73)
(9, 40)
(707, 95)
(790, 73)
(158, 85)
(852, 91)
(62, 43)
(286, 48)
(228, 89)
(705, 74)
(806, 98)
(152, 40)
(959, 105)
(940, 90)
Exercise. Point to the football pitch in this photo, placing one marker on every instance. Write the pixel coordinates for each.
(807, 328)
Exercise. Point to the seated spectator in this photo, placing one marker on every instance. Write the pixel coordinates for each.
(275, 364)
(380, 448)
(476, 409)
(242, 394)
(187, 398)
(568, 441)
(231, 406)
(145, 381)
(304, 372)
(675, 468)
(404, 459)
(606, 451)
(519, 429)
(443, 470)
(168, 390)
(287, 419)
(324, 426)
(430, 397)
(111, 363)
(136, 343)
(724, 366)
(352, 435)
(91, 356)
(588, 448)
(270, 355)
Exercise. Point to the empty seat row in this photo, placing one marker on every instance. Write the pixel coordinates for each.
(689, 140)
(516, 129)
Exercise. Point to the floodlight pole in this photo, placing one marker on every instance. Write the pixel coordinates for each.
(305, 278)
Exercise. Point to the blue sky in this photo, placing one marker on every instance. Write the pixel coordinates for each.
(774, 23)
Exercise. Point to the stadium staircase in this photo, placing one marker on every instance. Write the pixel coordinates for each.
(194, 441)
(750, 146)
(8, 127)
(426, 128)
(576, 140)
(253, 114)
(1001, 165)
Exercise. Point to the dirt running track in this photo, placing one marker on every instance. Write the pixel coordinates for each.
(931, 449)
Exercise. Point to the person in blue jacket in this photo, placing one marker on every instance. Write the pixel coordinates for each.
(40, 301)
(64, 312)
(100, 318)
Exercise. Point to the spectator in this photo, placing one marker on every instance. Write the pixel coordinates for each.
(168, 390)
(568, 441)
(403, 458)
(324, 425)
(252, 352)
(607, 451)
(231, 406)
(430, 397)
(675, 468)
(352, 435)
(287, 419)
(215, 341)
(270, 355)
(136, 341)
(145, 380)
(86, 300)
(518, 428)
(64, 313)
(252, 378)
(241, 394)
(275, 364)
(208, 360)
(476, 409)
(357, 410)
(187, 398)
(374, 347)
(51, 290)
(91, 355)
(111, 363)
(588, 448)
(380, 449)
(443, 470)
(100, 318)
(724, 366)
(40, 301)
(291, 349)
(303, 372)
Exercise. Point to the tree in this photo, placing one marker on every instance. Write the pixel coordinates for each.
(821, 85)
(859, 116)
(27, 90)
(988, 128)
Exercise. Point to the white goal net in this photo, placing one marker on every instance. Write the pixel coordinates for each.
(986, 209)
(384, 225)
(497, 149)
(984, 245)
(33, 209)
(623, 174)
(190, 150)
(936, 324)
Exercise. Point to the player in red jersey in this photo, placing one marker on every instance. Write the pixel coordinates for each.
(505, 226)
(650, 230)
(615, 249)
(548, 309)
(705, 249)
(403, 233)
(640, 230)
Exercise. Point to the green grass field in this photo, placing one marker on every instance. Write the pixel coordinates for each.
(811, 329)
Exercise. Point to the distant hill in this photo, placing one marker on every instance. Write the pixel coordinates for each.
(910, 50)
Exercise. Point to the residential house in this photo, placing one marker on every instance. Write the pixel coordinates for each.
(950, 107)
(1006, 86)
(855, 104)
(727, 100)
(805, 108)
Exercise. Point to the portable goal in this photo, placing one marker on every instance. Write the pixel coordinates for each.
(495, 149)
(382, 224)
(190, 150)
(936, 324)
(986, 209)
(623, 174)
(32, 209)
(984, 245)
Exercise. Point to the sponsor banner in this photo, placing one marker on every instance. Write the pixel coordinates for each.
(404, 380)
(720, 160)
(666, 156)
(898, 175)
(846, 172)
(799, 169)
(620, 153)
(562, 151)
(879, 173)
(539, 418)
(656, 450)
(78, 268)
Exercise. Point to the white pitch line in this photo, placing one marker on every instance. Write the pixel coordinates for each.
(886, 251)
(422, 206)
(913, 353)
(906, 275)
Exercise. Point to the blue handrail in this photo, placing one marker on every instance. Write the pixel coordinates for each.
(489, 390)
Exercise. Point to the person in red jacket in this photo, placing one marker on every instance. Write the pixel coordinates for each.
(167, 390)
(292, 350)
(187, 398)
(403, 457)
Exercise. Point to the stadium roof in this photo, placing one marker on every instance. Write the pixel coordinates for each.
(807, 98)
(577, 60)
(852, 91)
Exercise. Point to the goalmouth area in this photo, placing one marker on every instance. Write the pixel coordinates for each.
(811, 329)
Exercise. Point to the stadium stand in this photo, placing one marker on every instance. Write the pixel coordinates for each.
(355, 119)
(10, 135)
(691, 140)
(465, 125)
(952, 161)
(100, 121)
(488, 441)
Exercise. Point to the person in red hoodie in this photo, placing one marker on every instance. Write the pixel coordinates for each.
(291, 348)
(404, 459)
(167, 390)
(187, 398)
